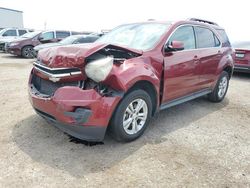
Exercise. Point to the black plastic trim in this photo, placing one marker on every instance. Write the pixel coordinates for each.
(185, 99)
(88, 133)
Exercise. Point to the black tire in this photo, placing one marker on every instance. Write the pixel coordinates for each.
(27, 52)
(215, 96)
(116, 128)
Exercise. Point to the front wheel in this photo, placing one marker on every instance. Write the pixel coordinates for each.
(27, 52)
(220, 89)
(131, 117)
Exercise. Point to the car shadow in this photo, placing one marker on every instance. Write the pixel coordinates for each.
(46, 144)
(10, 56)
(241, 75)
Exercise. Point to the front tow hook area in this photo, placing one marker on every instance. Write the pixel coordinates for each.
(80, 115)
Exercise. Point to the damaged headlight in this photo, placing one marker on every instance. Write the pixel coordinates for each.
(98, 70)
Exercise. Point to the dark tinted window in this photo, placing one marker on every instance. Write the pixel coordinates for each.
(184, 34)
(78, 33)
(47, 35)
(62, 34)
(205, 38)
(22, 32)
(224, 37)
(11, 32)
(86, 40)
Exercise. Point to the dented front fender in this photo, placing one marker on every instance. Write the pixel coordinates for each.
(124, 75)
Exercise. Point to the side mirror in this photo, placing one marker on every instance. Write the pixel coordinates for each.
(40, 38)
(174, 46)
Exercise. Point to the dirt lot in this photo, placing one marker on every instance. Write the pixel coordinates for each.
(196, 144)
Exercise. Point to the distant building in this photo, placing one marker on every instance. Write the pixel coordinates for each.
(11, 18)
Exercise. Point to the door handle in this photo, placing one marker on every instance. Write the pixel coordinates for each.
(196, 57)
(219, 52)
(196, 60)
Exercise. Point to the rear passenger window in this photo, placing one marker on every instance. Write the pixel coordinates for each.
(11, 32)
(22, 32)
(47, 35)
(62, 34)
(184, 34)
(205, 38)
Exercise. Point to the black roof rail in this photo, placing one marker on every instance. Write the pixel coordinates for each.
(201, 20)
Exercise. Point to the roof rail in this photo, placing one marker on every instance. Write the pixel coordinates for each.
(204, 21)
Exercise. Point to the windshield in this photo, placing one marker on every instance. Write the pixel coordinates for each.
(242, 45)
(31, 34)
(137, 36)
(2, 31)
(69, 40)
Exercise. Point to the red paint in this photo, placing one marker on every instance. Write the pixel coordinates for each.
(245, 61)
(180, 72)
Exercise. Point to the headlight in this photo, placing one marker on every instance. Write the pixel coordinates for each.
(13, 44)
(98, 70)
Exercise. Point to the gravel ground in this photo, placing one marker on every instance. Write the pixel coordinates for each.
(196, 144)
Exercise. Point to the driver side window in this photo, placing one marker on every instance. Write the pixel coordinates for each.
(184, 34)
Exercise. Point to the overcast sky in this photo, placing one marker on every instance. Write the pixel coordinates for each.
(94, 15)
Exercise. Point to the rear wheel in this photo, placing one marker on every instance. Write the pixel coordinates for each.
(27, 52)
(132, 116)
(220, 89)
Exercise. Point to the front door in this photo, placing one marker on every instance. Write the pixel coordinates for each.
(180, 75)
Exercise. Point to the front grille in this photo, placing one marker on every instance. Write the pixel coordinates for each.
(47, 87)
(56, 72)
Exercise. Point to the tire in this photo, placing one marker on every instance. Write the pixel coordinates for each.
(27, 52)
(220, 89)
(136, 124)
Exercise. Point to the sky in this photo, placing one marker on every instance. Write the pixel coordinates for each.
(95, 15)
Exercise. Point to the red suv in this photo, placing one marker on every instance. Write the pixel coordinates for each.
(242, 57)
(128, 75)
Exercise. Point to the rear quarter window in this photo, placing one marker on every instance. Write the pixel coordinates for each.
(224, 37)
(22, 32)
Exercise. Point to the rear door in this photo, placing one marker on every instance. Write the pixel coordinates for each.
(210, 54)
(180, 76)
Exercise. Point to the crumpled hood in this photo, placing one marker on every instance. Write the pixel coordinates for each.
(74, 55)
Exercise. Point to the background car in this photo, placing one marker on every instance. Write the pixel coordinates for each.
(24, 46)
(74, 39)
(9, 34)
(242, 57)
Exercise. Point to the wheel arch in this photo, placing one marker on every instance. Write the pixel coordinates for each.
(148, 87)
(229, 70)
(26, 46)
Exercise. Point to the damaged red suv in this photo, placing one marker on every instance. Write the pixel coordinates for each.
(128, 75)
